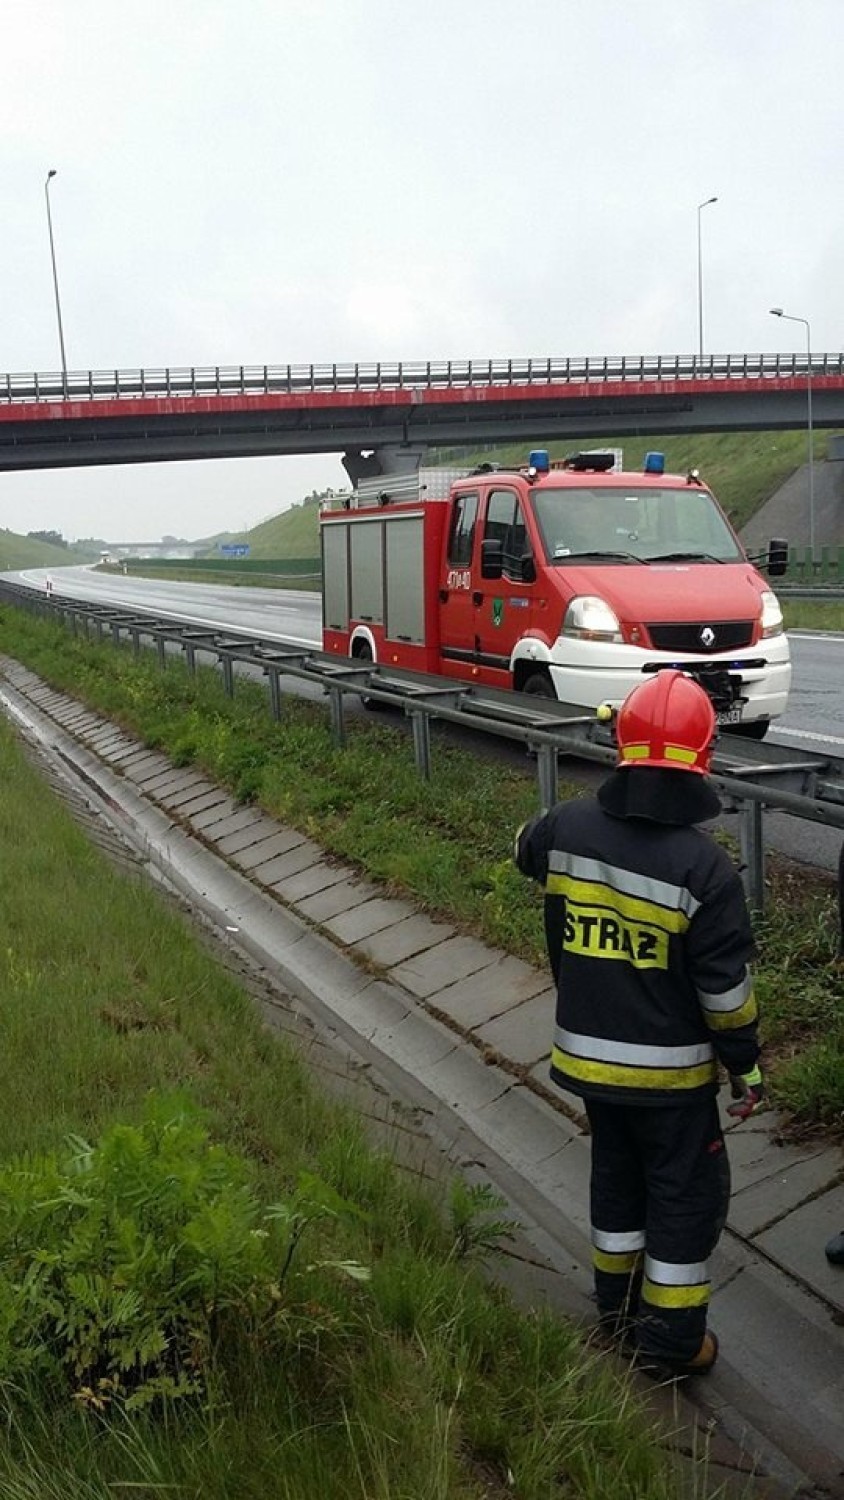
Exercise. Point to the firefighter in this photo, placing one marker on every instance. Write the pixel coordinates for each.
(649, 941)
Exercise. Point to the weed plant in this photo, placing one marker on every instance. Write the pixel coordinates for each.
(210, 1284)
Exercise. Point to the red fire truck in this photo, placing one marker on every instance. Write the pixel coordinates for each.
(571, 579)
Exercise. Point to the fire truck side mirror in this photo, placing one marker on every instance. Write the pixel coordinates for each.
(528, 568)
(492, 556)
(777, 558)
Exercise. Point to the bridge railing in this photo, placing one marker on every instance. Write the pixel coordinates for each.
(261, 380)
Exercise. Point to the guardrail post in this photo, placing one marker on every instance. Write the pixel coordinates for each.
(136, 643)
(162, 651)
(98, 632)
(421, 726)
(228, 675)
(115, 633)
(546, 775)
(190, 657)
(338, 721)
(273, 677)
(752, 853)
(74, 623)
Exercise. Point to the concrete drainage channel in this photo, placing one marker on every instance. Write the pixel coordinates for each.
(402, 1019)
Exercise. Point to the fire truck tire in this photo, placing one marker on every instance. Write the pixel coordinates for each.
(539, 685)
(362, 651)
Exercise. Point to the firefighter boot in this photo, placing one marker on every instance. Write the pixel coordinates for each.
(700, 1363)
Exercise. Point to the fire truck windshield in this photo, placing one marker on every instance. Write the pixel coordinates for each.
(669, 524)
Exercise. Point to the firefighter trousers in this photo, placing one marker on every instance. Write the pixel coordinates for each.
(660, 1188)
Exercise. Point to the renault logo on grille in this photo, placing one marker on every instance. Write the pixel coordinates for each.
(707, 636)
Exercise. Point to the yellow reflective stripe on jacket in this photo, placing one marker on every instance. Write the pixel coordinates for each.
(634, 908)
(618, 1075)
(659, 1295)
(661, 894)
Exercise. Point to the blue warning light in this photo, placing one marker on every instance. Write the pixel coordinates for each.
(654, 463)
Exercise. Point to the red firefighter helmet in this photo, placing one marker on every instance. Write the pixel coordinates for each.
(667, 721)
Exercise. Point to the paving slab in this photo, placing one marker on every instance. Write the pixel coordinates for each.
(393, 944)
(491, 991)
(371, 916)
(439, 967)
(148, 768)
(105, 734)
(523, 1035)
(309, 882)
(129, 748)
(797, 1242)
(262, 828)
(263, 849)
(236, 822)
(175, 780)
(207, 817)
(785, 1187)
(174, 794)
(201, 803)
(300, 857)
(135, 766)
(178, 801)
(341, 897)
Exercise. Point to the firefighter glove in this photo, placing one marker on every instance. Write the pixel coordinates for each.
(749, 1091)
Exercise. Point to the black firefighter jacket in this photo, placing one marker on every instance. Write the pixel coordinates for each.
(649, 940)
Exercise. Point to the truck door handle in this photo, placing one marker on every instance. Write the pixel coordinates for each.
(443, 596)
(477, 597)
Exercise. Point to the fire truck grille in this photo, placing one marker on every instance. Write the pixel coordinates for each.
(721, 635)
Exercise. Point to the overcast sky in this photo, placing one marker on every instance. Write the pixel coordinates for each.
(264, 181)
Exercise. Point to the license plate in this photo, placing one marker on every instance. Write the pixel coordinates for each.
(729, 715)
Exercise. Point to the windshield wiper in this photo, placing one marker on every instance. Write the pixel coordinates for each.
(604, 556)
(686, 557)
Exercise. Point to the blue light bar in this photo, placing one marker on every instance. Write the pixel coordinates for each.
(654, 463)
(538, 459)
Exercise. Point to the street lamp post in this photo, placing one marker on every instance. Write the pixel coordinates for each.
(51, 174)
(777, 312)
(701, 206)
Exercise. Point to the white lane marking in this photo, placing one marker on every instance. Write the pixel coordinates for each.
(827, 637)
(807, 734)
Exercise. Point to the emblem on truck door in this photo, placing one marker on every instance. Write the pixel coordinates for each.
(707, 636)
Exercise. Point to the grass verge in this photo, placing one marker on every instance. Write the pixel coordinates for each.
(445, 843)
(422, 1382)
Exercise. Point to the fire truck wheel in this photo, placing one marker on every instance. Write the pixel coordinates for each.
(362, 652)
(539, 685)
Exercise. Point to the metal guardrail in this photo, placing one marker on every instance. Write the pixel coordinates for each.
(749, 775)
(262, 380)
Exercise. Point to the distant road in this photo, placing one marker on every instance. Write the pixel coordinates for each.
(814, 721)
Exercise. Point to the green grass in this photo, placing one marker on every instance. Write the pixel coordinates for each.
(446, 844)
(425, 1383)
(27, 552)
(812, 614)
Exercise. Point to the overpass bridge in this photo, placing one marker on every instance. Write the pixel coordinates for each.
(384, 416)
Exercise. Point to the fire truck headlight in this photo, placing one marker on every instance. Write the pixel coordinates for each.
(771, 617)
(589, 618)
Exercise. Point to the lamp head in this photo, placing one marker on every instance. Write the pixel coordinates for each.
(776, 312)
